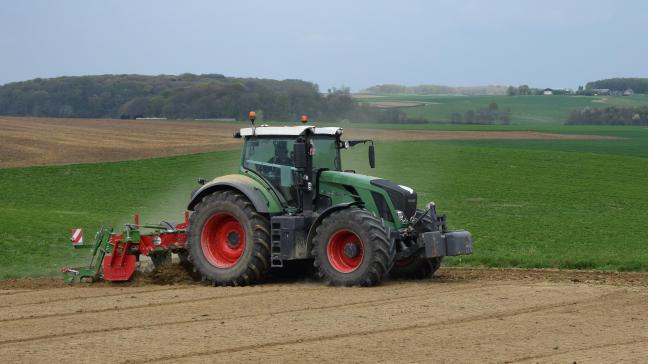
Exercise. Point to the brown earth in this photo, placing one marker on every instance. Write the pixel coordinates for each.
(394, 104)
(44, 141)
(463, 315)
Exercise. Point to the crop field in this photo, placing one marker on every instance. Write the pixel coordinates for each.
(41, 141)
(542, 196)
(529, 202)
(524, 109)
(37, 141)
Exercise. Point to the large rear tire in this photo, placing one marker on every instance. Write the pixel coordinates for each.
(229, 241)
(351, 248)
(415, 267)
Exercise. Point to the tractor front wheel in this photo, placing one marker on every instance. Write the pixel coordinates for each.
(351, 248)
(229, 242)
(415, 267)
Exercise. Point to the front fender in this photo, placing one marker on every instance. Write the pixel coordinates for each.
(325, 213)
(261, 197)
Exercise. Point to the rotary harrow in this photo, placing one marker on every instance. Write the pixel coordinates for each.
(114, 254)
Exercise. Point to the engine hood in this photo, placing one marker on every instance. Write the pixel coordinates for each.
(402, 197)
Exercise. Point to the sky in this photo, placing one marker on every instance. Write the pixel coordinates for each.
(332, 43)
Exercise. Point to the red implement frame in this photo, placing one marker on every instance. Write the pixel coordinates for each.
(120, 264)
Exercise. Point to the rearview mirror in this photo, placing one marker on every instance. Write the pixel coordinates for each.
(299, 155)
(372, 157)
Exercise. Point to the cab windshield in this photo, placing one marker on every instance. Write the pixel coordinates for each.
(327, 154)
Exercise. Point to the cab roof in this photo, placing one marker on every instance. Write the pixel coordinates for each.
(289, 130)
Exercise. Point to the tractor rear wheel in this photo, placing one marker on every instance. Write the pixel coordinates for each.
(229, 241)
(415, 267)
(351, 248)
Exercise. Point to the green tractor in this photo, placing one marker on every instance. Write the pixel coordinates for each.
(291, 200)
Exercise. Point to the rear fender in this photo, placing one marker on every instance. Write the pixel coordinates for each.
(260, 196)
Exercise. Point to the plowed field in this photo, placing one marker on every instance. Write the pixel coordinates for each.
(463, 315)
(41, 141)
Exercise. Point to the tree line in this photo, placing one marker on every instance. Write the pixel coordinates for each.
(609, 116)
(490, 115)
(183, 96)
(638, 85)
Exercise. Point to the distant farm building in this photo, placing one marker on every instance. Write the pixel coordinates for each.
(547, 91)
(601, 91)
(628, 92)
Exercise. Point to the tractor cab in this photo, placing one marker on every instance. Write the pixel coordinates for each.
(282, 156)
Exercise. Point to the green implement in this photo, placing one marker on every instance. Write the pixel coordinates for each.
(92, 271)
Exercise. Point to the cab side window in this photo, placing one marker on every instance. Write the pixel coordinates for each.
(272, 159)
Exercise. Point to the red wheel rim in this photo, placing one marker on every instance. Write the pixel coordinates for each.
(223, 240)
(345, 251)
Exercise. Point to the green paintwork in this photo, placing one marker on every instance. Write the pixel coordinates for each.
(256, 183)
(100, 248)
(332, 184)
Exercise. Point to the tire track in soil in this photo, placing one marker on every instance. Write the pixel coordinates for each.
(172, 288)
(592, 347)
(509, 296)
(79, 298)
(496, 341)
(11, 293)
(278, 312)
(148, 305)
(388, 330)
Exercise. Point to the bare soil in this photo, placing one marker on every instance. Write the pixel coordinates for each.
(461, 315)
(395, 104)
(44, 141)
(39, 141)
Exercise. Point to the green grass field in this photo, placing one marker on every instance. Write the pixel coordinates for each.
(565, 204)
(524, 109)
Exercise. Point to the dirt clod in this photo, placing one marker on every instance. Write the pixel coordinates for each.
(170, 274)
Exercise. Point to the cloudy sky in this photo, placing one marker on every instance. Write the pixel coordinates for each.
(333, 43)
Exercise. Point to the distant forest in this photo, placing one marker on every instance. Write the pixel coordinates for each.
(183, 96)
(638, 85)
(436, 90)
